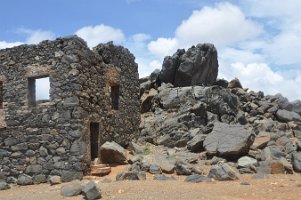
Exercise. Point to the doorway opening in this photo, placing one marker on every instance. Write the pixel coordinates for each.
(94, 140)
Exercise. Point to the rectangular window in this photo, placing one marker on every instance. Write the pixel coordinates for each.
(38, 90)
(115, 96)
(1, 95)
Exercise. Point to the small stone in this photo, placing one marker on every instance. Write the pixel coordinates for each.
(71, 189)
(246, 161)
(197, 178)
(4, 185)
(245, 183)
(155, 169)
(159, 177)
(222, 172)
(54, 180)
(91, 191)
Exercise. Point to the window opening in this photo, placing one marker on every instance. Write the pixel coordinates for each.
(115, 96)
(38, 90)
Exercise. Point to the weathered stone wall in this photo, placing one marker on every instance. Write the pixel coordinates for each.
(52, 138)
(123, 71)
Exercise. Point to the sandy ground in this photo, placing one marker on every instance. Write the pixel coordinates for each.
(276, 187)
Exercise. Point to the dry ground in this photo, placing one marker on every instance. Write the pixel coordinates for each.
(276, 187)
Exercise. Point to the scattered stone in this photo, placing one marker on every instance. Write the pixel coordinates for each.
(91, 191)
(112, 153)
(245, 183)
(246, 161)
(183, 169)
(155, 169)
(130, 175)
(167, 166)
(222, 172)
(159, 177)
(197, 178)
(4, 185)
(54, 180)
(71, 189)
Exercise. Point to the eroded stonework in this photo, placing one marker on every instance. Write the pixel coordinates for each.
(42, 138)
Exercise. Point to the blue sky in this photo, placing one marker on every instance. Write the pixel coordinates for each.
(258, 41)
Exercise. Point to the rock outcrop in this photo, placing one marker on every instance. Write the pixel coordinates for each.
(196, 66)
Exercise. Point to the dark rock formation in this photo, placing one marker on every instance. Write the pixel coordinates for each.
(197, 66)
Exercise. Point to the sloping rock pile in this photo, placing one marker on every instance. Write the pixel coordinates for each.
(221, 122)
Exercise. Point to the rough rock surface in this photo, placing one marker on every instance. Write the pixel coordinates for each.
(197, 66)
(91, 191)
(71, 189)
(222, 172)
(112, 153)
(229, 140)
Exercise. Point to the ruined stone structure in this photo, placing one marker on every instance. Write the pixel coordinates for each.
(93, 98)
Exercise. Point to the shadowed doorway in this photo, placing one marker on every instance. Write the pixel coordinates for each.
(94, 141)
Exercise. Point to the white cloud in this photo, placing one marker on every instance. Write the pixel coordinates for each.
(4, 44)
(222, 25)
(260, 77)
(163, 46)
(100, 34)
(36, 36)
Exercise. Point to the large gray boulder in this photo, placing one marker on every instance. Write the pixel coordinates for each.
(197, 66)
(287, 116)
(112, 153)
(229, 140)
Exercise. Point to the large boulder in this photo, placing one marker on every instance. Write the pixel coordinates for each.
(197, 66)
(112, 153)
(287, 116)
(229, 140)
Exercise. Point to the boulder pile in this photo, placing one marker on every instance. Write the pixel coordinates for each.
(197, 123)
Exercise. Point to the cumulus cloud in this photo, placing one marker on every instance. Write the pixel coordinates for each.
(222, 25)
(36, 36)
(4, 44)
(163, 46)
(100, 34)
(260, 77)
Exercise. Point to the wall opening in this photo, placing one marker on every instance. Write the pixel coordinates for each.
(38, 90)
(115, 97)
(94, 140)
(1, 95)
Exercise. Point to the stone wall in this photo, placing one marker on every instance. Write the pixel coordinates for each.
(53, 137)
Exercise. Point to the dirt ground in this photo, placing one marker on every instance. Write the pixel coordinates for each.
(275, 187)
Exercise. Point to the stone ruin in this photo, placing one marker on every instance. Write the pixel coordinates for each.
(93, 98)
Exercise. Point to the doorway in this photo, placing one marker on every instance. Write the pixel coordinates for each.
(94, 140)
